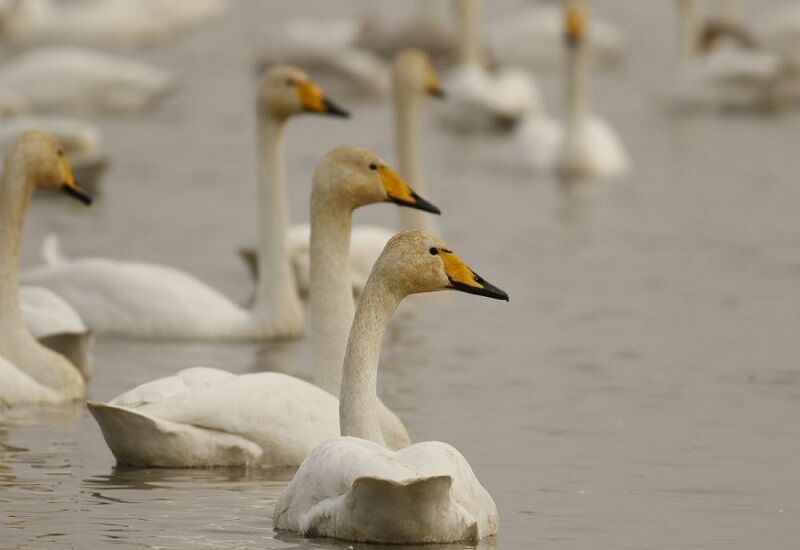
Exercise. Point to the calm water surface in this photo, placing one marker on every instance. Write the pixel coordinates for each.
(640, 390)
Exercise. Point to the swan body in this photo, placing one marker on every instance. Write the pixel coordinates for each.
(30, 373)
(207, 417)
(353, 487)
(480, 100)
(87, 80)
(55, 324)
(80, 140)
(154, 301)
(120, 23)
(534, 37)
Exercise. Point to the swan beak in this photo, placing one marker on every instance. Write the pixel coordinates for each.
(434, 90)
(464, 279)
(574, 25)
(313, 100)
(70, 187)
(400, 193)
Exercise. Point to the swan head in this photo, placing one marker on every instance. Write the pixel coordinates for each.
(45, 163)
(414, 74)
(285, 91)
(414, 262)
(575, 23)
(352, 176)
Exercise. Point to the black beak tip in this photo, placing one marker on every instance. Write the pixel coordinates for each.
(333, 109)
(77, 193)
(438, 93)
(422, 204)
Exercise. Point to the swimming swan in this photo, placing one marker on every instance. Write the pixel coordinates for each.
(585, 146)
(209, 417)
(121, 23)
(413, 78)
(155, 301)
(480, 100)
(87, 81)
(353, 487)
(29, 372)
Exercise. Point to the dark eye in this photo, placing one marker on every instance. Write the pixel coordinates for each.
(60, 152)
(373, 166)
(434, 251)
(289, 82)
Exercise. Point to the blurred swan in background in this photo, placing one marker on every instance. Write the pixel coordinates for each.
(723, 66)
(534, 37)
(585, 146)
(155, 301)
(121, 23)
(209, 417)
(414, 77)
(30, 372)
(353, 487)
(66, 78)
(479, 99)
(80, 140)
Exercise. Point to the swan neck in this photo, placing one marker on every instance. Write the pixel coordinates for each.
(276, 292)
(688, 29)
(471, 45)
(577, 84)
(331, 288)
(358, 405)
(15, 196)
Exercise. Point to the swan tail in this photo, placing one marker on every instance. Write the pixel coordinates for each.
(51, 253)
(386, 511)
(138, 439)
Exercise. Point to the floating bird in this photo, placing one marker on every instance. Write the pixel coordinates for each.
(354, 487)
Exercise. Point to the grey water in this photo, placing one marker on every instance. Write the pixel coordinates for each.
(641, 389)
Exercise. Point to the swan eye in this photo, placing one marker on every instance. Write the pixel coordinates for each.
(60, 152)
(434, 251)
(373, 166)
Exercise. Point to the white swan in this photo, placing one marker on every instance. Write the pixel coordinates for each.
(80, 140)
(353, 487)
(534, 37)
(478, 99)
(29, 372)
(716, 74)
(413, 78)
(123, 23)
(75, 79)
(208, 417)
(155, 301)
(585, 145)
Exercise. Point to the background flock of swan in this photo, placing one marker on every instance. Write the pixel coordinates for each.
(359, 476)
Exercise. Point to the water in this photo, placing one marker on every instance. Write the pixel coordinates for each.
(640, 390)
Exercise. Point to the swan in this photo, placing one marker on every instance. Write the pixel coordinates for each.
(533, 37)
(80, 140)
(413, 78)
(30, 372)
(478, 99)
(716, 74)
(353, 487)
(585, 145)
(120, 23)
(154, 301)
(86, 80)
(209, 417)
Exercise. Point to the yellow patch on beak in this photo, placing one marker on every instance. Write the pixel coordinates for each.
(311, 97)
(457, 271)
(575, 22)
(396, 188)
(69, 178)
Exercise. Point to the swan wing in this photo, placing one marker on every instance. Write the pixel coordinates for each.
(45, 314)
(357, 490)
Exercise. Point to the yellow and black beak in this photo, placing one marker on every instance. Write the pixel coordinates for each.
(313, 100)
(464, 279)
(434, 90)
(70, 187)
(400, 193)
(574, 25)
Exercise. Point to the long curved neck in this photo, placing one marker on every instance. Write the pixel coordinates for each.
(331, 290)
(688, 29)
(358, 404)
(406, 118)
(15, 196)
(276, 292)
(471, 45)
